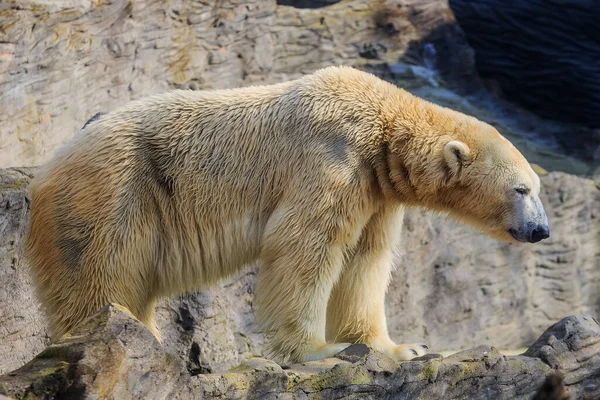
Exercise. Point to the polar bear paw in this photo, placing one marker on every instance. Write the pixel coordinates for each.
(326, 351)
(405, 352)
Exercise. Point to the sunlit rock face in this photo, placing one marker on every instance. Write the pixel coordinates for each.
(62, 62)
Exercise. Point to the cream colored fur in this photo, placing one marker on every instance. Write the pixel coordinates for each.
(174, 192)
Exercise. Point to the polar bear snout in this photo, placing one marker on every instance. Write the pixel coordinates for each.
(531, 224)
(532, 234)
(540, 232)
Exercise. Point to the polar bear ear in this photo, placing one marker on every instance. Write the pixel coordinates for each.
(456, 155)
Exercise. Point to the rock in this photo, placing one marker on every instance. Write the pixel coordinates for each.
(379, 363)
(458, 297)
(199, 329)
(354, 353)
(112, 355)
(22, 326)
(571, 346)
(212, 330)
(62, 62)
(537, 50)
(260, 364)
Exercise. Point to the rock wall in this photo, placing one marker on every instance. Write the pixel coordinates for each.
(63, 61)
(537, 50)
(453, 288)
(22, 325)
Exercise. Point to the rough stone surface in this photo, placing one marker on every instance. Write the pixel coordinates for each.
(446, 291)
(214, 329)
(353, 353)
(568, 346)
(22, 328)
(61, 62)
(112, 355)
(538, 50)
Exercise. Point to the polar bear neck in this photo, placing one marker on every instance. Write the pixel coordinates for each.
(413, 170)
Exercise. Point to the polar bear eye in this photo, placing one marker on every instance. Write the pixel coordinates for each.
(522, 191)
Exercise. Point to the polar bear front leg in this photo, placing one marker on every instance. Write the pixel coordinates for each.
(299, 267)
(356, 310)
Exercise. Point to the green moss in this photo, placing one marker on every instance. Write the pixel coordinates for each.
(336, 377)
(45, 381)
(430, 371)
(240, 369)
(237, 381)
(14, 185)
(58, 368)
(456, 374)
(321, 382)
(360, 377)
(464, 370)
(54, 352)
(515, 363)
(293, 381)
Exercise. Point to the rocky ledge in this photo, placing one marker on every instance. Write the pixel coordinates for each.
(112, 355)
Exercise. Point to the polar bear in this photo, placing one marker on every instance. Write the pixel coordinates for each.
(309, 177)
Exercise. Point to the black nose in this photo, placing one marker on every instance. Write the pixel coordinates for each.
(541, 232)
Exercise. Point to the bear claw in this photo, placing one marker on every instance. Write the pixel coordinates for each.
(405, 352)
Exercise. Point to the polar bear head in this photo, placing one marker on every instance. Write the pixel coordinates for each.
(454, 163)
